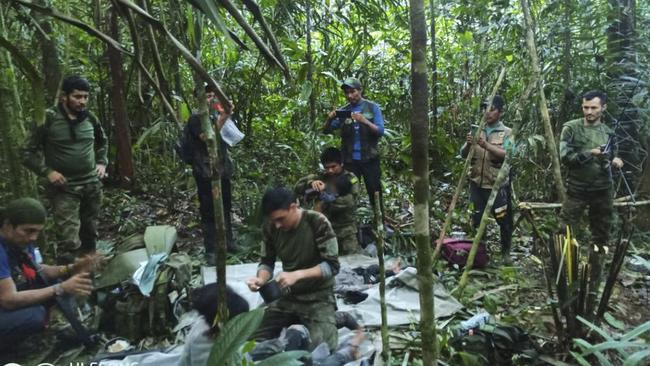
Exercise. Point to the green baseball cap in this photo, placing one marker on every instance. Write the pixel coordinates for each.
(353, 83)
(24, 210)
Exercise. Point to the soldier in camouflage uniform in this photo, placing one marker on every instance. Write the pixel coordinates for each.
(341, 207)
(70, 151)
(588, 167)
(306, 244)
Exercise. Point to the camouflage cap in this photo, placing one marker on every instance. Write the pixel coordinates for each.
(353, 83)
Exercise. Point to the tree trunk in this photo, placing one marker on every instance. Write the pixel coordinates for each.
(622, 69)
(8, 133)
(220, 245)
(12, 131)
(537, 74)
(568, 96)
(434, 68)
(419, 151)
(52, 73)
(310, 66)
(125, 171)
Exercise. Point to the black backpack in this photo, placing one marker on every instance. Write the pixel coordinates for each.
(492, 344)
(185, 145)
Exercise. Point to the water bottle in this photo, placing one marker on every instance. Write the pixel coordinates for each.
(38, 258)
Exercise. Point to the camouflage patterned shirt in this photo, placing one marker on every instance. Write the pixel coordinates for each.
(311, 243)
(584, 171)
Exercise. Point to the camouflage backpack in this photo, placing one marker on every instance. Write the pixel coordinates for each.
(137, 316)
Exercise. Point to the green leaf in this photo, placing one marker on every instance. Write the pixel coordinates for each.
(210, 9)
(225, 350)
(154, 129)
(285, 359)
(595, 328)
(645, 327)
(331, 75)
(581, 360)
(637, 357)
(609, 318)
(305, 92)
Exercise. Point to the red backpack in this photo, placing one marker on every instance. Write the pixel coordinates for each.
(456, 251)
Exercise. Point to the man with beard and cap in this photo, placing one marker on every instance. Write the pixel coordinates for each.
(24, 297)
(489, 153)
(589, 168)
(203, 171)
(360, 133)
(70, 150)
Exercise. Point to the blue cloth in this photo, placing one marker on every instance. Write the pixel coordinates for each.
(148, 279)
(378, 121)
(5, 269)
(17, 325)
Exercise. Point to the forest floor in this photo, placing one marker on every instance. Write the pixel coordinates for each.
(513, 293)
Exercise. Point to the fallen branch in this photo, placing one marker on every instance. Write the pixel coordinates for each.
(546, 206)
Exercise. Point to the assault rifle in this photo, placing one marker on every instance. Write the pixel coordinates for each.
(65, 304)
(607, 150)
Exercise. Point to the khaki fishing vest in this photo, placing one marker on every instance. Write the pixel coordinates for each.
(485, 166)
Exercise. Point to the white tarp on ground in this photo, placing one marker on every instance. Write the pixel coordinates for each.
(402, 297)
(402, 300)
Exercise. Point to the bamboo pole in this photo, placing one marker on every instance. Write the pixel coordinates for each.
(420, 164)
(537, 75)
(503, 173)
(461, 180)
(379, 227)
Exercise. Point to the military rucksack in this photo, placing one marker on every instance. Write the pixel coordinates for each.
(136, 316)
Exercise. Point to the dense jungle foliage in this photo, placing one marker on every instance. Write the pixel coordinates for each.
(135, 53)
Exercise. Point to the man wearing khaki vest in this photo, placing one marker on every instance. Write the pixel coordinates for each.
(489, 153)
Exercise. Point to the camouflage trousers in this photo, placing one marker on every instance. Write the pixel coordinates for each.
(346, 236)
(317, 315)
(75, 210)
(600, 209)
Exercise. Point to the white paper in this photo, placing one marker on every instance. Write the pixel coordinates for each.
(230, 133)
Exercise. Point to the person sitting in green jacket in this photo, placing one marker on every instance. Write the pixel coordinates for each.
(334, 193)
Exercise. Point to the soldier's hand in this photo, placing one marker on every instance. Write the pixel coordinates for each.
(318, 185)
(88, 263)
(287, 279)
(596, 152)
(481, 142)
(332, 114)
(79, 284)
(357, 116)
(617, 163)
(101, 170)
(56, 178)
(254, 283)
